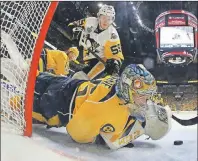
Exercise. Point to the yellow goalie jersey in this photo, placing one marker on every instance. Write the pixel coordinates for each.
(97, 107)
(55, 61)
(106, 42)
(86, 108)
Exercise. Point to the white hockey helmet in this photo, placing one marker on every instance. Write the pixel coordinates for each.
(107, 10)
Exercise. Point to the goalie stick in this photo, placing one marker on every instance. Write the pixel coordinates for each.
(188, 122)
(97, 57)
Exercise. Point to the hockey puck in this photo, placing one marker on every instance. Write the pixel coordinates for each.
(178, 142)
(129, 145)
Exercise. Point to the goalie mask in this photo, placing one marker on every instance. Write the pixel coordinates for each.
(106, 16)
(135, 80)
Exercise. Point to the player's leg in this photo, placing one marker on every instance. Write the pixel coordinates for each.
(43, 82)
(53, 99)
(156, 123)
(94, 70)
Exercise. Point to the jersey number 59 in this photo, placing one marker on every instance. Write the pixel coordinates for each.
(116, 49)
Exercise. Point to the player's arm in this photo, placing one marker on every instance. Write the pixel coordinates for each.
(94, 90)
(78, 23)
(113, 54)
(62, 63)
(112, 47)
(57, 62)
(76, 28)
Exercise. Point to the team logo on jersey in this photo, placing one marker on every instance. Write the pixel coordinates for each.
(108, 128)
(89, 29)
(113, 36)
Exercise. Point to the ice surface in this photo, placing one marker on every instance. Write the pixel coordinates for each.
(54, 145)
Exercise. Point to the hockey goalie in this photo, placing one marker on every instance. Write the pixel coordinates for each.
(112, 110)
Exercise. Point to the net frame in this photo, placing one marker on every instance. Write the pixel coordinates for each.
(34, 65)
(31, 77)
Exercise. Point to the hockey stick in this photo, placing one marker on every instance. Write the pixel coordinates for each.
(188, 122)
(97, 57)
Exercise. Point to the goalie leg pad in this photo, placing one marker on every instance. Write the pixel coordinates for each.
(133, 129)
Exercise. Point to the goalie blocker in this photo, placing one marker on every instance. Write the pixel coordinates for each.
(95, 108)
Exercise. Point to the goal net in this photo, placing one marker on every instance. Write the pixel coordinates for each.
(20, 52)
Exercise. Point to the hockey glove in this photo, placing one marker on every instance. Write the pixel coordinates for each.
(112, 66)
(74, 31)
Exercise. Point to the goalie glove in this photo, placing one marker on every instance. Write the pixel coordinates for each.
(158, 120)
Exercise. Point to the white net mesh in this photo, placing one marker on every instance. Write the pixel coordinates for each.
(20, 21)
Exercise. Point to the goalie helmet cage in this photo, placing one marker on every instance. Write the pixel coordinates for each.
(20, 53)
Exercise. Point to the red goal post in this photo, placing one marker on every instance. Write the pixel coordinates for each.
(20, 53)
(34, 66)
